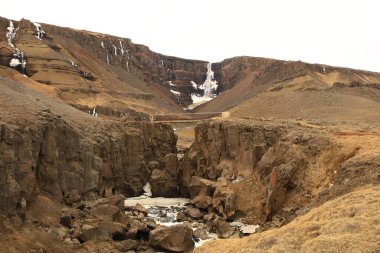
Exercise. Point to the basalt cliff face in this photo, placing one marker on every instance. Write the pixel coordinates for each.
(51, 149)
(91, 69)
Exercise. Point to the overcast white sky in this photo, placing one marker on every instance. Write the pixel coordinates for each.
(334, 32)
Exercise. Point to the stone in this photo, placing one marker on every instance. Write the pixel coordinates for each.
(126, 245)
(223, 201)
(177, 238)
(89, 232)
(201, 191)
(45, 210)
(223, 228)
(162, 184)
(105, 211)
(181, 217)
(193, 212)
(140, 208)
(115, 230)
(116, 200)
(200, 233)
(73, 197)
(66, 221)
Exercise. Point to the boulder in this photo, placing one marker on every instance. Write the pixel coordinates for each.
(105, 211)
(163, 184)
(193, 212)
(126, 245)
(176, 238)
(140, 208)
(200, 233)
(92, 233)
(223, 201)
(116, 200)
(181, 217)
(66, 221)
(115, 230)
(223, 228)
(45, 210)
(201, 191)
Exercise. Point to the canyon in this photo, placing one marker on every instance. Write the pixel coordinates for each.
(292, 153)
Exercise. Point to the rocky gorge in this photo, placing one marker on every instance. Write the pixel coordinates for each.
(78, 145)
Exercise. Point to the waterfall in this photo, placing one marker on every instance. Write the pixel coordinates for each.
(210, 85)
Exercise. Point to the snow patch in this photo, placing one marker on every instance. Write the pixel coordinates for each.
(177, 93)
(115, 49)
(171, 83)
(128, 66)
(14, 63)
(108, 60)
(11, 34)
(195, 86)
(18, 56)
(102, 44)
(40, 32)
(162, 63)
(121, 48)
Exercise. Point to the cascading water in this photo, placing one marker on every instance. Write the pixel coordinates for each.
(210, 85)
(209, 89)
(18, 59)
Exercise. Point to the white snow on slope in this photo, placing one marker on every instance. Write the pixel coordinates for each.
(40, 32)
(14, 62)
(171, 83)
(195, 86)
(102, 44)
(115, 49)
(18, 56)
(177, 93)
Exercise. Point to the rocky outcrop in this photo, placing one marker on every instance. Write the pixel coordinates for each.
(68, 165)
(232, 164)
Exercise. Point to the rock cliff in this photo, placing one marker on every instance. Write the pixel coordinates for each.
(240, 168)
(69, 155)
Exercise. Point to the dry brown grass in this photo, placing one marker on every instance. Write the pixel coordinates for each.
(350, 223)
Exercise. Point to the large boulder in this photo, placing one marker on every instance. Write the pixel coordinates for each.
(105, 211)
(176, 238)
(223, 229)
(46, 211)
(223, 201)
(201, 192)
(163, 184)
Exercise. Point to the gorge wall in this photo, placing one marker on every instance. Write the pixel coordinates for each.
(247, 169)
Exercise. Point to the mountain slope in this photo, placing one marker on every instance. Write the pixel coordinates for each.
(257, 87)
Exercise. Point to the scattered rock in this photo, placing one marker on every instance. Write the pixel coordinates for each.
(181, 217)
(223, 228)
(193, 212)
(45, 210)
(105, 211)
(66, 221)
(126, 245)
(140, 208)
(201, 191)
(176, 238)
(200, 233)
